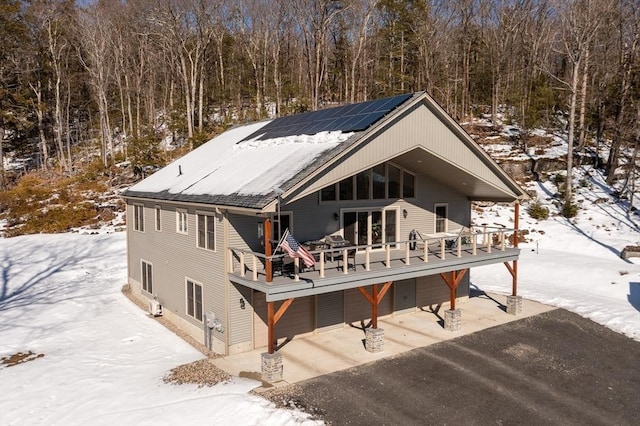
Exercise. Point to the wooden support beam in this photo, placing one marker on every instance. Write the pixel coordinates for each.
(453, 281)
(376, 296)
(273, 317)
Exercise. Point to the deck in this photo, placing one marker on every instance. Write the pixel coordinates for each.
(371, 265)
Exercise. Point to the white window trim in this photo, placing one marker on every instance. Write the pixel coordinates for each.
(136, 217)
(179, 215)
(157, 216)
(215, 219)
(186, 298)
(142, 283)
(435, 217)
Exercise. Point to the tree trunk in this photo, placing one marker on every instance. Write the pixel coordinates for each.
(583, 103)
(572, 123)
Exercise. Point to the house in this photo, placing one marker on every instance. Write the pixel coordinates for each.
(394, 178)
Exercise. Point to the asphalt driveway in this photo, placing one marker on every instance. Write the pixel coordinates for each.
(553, 368)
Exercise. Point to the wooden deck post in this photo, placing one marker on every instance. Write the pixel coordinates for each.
(267, 250)
(375, 298)
(273, 317)
(453, 281)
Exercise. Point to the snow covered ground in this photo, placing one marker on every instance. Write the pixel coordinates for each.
(104, 359)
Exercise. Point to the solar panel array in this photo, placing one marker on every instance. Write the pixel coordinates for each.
(348, 118)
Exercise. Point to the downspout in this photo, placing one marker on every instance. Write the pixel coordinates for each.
(227, 261)
(516, 224)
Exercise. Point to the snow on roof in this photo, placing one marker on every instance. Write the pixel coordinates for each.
(226, 166)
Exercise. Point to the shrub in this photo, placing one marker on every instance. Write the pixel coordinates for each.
(569, 209)
(537, 211)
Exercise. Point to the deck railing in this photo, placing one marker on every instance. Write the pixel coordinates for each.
(253, 264)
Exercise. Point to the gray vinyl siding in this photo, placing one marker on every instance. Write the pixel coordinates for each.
(432, 290)
(404, 296)
(330, 311)
(176, 257)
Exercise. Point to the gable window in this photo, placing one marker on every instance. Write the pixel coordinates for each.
(379, 182)
(138, 217)
(147, 277)
(158, 218)
(363, 184)
(206, 231)
(441, 217)
(383, 181)
(346, 189)
(408, 185)
(194, 300)
(328, 193)
(181, 222)
(394, 175)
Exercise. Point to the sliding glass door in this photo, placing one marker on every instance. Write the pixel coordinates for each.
(370, 227)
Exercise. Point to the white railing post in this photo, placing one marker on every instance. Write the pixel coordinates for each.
(242, 265)
(296, 269)
(388, 252)
(255, 268)
(321, 264)
(345, 262)
(459, 246)
(489, 237)
(442, 246)
(367, 258)
(426, 250)
(406, 253)
(502, 240)
(474, 244)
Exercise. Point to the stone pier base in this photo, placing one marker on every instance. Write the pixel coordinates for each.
(514, 305)
(374, 341)
(452, 319)
(271, 367)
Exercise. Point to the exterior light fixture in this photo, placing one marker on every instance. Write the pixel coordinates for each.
(241, 303)
(336, 216)
(405, 213)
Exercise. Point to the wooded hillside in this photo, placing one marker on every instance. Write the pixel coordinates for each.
(116, 77)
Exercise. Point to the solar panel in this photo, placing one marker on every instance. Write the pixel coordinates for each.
(347, 118)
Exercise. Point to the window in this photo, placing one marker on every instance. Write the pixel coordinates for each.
(394, 175)
(138, 217)
(363, 183)
(441, 217)
(181, 222)
(194, 300)
(383, 181)
(147, 277)
(379, 182)
(346, 189)
(206, 231)
(158, 218)
(408, 185)
(328, 193)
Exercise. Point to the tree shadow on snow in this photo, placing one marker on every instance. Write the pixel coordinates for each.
(634, 294)
(23, 279)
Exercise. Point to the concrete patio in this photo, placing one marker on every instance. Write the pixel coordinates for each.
(322, 353)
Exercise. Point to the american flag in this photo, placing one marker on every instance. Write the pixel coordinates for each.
(294, 249)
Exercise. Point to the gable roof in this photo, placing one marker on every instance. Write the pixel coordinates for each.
(246, 165)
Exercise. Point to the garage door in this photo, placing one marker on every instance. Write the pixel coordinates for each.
(330, 311)
(431, 290)
(298, 320)
(404, 296)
